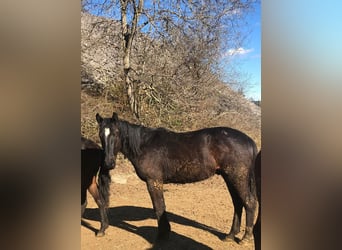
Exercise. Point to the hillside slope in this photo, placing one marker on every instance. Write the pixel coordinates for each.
(179, 102)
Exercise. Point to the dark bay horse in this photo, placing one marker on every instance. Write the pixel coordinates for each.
(92, 157)
(257, 226)
(161, 156)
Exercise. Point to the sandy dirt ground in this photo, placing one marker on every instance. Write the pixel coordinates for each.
(200, 215)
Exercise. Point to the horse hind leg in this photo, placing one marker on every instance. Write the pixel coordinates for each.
(251, 206)
(93, 189)
(155, 189)
(238, 205)
(242, 196)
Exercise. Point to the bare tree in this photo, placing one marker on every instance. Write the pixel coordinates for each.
(128, 33)
(190, 37)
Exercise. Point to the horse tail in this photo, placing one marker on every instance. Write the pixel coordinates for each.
(104, 181)
(257, 173)
(252, 176)
(252, 180)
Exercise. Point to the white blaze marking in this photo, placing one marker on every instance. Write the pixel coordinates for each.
(107, 132)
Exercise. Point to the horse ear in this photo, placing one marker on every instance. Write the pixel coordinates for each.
(99, 119)
(115, 117)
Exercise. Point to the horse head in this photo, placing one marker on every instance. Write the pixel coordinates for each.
(110, 138)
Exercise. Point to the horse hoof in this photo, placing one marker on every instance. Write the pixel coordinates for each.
(159, 245)
(246, 242)
(163, 237)
(100, 234)
(231, 239)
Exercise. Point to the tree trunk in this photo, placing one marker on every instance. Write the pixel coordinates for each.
(128, 33)
(132, 95)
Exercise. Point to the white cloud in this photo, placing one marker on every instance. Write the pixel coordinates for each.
(236, 11)
(238, 51)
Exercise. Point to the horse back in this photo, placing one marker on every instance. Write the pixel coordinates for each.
(88, 144)
(91, 161)
(230, 146)
(191, 156)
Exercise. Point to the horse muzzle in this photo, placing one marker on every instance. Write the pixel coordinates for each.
(110, 163)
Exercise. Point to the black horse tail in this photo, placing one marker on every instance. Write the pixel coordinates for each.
(252, 177)
(252, 180)
(257, 172)
(104, 181)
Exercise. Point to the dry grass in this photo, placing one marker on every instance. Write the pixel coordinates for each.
(244, 116)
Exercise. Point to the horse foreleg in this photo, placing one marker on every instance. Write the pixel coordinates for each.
(155, 189)
(93, 189)
(83, 199)
(83, 207)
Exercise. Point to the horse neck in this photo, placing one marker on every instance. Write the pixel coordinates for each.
(131, 139)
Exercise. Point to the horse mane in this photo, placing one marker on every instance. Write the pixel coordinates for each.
(132, 137)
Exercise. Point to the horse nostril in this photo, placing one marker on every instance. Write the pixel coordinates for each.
(110, 163)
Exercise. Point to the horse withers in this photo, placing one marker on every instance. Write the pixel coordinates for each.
(161, 156)
(92, 157)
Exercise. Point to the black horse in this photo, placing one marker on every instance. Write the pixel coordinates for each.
(161, 156)
(257, 226)
(92, 157)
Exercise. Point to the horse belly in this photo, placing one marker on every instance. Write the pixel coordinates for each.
(190, 172)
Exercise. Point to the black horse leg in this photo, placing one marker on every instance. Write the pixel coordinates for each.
(243, 194)
(257, 226)
(248, 191)
(237, 202)
(155, 189)
(257, 231)
(251, 206)
(83, 200)
(83, 207)
(102, 207)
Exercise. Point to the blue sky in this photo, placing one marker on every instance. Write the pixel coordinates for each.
(248, 57)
